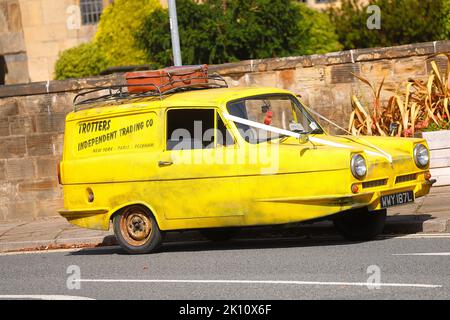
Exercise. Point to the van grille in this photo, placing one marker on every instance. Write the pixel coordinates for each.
(406, 178)
(374, 183)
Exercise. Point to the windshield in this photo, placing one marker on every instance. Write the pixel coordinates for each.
(280, 111)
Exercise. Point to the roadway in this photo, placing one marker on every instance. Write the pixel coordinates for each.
(410, 267)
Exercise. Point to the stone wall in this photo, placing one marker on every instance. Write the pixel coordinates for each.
(32, 115)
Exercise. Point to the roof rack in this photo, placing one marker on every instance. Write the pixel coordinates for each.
(118, 92)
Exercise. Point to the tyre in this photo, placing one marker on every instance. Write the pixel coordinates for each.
(219, 235)
(360, 224)
(136, 230)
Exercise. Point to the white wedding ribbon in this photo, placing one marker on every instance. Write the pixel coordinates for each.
(288, 133)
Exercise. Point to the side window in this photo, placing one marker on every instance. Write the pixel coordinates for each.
(195, 129)
(277, 111)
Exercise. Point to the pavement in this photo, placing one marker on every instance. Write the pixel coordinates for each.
(429, 214)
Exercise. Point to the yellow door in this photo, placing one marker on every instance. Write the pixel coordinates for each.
(198, 178)
(276, 170)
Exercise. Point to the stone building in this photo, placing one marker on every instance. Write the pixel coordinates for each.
(13, 58)
(34, 32)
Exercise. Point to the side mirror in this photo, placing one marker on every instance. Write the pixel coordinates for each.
(303, 138)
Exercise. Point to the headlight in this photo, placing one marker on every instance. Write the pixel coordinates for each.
(358, 166)
(421, 155)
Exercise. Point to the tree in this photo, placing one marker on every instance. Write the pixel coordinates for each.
(318, 33)
(446, 19)
(155, 40)
(219, 31)
(402, 22)
(81, 61)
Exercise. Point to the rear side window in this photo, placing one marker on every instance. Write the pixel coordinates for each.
(195, 129)
(223, 135)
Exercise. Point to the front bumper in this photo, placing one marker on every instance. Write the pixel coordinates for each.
(420, 187)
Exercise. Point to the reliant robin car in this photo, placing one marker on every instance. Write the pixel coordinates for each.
(187, 152)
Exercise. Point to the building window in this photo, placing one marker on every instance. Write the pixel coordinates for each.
(91, 11)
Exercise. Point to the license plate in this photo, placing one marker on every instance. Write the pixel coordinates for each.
(397, 199)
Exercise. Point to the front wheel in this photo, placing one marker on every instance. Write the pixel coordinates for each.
(136, 230)
(360, 224)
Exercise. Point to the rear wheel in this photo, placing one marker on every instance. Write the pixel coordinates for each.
(219, 235)
(360, 224)
(136, 230)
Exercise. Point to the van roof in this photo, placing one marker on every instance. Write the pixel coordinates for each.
(197, 98)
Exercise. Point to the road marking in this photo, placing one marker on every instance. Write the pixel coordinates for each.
(276, 282)
(423, 254)
(43, 297)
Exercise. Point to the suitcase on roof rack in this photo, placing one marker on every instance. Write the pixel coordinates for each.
(166, 79)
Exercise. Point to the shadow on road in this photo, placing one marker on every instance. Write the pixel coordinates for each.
(302, 235)
(240, 243)
(406, 223)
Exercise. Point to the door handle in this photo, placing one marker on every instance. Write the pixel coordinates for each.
(164, 163)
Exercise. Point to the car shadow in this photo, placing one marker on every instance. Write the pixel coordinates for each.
(302, 235)
(235, 244)
(406, 223)
(194, 242)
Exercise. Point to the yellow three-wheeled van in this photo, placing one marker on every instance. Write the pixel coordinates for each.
(203, 156)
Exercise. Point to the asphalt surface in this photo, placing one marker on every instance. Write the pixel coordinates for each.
(323, 268)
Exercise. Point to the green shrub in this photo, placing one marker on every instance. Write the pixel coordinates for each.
(81, 61)
(402, 22)
(116, 29)
(219, 31)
